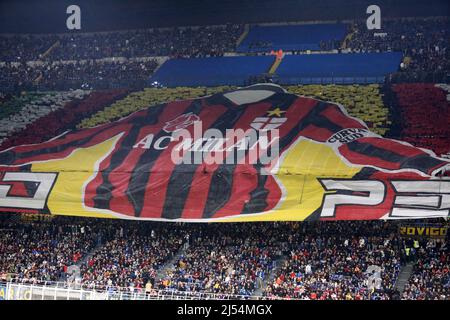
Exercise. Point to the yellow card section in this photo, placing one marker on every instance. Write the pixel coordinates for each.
(66, 197)
(297, 175)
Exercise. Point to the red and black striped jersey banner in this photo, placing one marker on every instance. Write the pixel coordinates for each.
(323, 164)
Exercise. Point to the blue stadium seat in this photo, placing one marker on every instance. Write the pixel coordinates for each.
(298, 37)
(337, 68)
(213, 71)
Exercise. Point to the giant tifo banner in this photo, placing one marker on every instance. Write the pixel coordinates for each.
(253, 154)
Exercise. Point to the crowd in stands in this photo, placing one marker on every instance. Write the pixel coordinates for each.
(131, 257)
(58, 120)
(330, 45)
(23, 48)
(333, 261)
(347, 260)
(430, 279)
(424, 43)
(17, 77)
(224, 260)
(174, 42)
(421, 115)
(74, 61)
(92, 74)
(37, 252)
(24, 110)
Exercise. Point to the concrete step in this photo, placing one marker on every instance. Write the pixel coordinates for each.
(403, 277)
(243, 35)
(169, 265)
(269, 278)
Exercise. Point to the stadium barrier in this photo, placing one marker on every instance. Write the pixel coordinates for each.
(48, 290)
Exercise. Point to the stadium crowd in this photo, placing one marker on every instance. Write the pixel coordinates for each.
(333, 261)
(225, 260)
(35, 122)
(37, 252)
(91, 74)
(344, 260)
(424, 43)
(25, 110)
(68, 61)
(321, 260)
(22, 48)
(173, 42)
(420, 115)
(430, 279)
(131, 257)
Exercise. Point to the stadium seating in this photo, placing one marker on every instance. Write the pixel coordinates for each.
(320, 267)
(80, 109)
(131, 259)
(423, 115)
(430, 279)
(64, 76)
(23, 47)
(425, 57)
(424, 42)
(16, 103)
(288, 260)
(175, 42)
(211, 71)
(234, 261)
(35, 109)
(58, 121)
(81, 83)
(337, 68)
(5, 97)
(40, 252)
(293, 37)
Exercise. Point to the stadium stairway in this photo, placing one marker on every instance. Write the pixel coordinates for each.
(169, 265)
(271, 276)
(275, 65)
(243, 35)
(347, 39)
(49, 50)
(403, 277)
(86, 257)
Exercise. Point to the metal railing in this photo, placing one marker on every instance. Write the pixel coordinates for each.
(48, 290)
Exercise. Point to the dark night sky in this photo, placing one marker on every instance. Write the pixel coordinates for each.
(49, 16)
